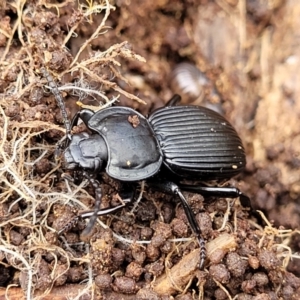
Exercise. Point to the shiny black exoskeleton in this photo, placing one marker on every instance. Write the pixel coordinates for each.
(191, 141)
(188, 142)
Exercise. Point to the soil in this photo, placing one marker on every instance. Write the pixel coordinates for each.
(239, 57)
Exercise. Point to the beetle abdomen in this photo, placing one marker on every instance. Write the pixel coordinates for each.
(198, 142)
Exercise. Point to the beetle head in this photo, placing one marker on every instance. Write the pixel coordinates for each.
(86, 152)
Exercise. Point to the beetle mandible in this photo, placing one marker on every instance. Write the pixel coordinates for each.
(178, 142)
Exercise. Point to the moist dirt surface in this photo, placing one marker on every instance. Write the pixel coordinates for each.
(238, 57)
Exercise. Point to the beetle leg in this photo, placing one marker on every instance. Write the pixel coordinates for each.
(61, 145)
(98, 196)
(84, 115)
(86, 215)
(69, 225)
(226, 192)
(90, 214)
(106, 211)
(101, 212)
(172, 188)
(174, 100)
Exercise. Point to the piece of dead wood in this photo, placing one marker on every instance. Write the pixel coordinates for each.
(58, 293)
(179, 275)
(66, 292)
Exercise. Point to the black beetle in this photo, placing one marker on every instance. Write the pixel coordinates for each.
(173, 143)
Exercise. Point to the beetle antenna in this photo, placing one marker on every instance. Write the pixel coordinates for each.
(59, 99)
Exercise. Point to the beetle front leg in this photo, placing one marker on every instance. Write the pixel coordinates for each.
(172, 188)
(125, 199)
(98, 196)
(126, 196)
(101, 212)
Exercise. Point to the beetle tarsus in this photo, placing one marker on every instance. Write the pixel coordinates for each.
(195, 227)
(69, 225)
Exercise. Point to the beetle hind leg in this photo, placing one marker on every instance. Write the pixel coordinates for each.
(226, 192)
(194, 225)
(175, 99)
(172, 188)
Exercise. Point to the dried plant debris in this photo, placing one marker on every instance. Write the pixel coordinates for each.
(146, 250)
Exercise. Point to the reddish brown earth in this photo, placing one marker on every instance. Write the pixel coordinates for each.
(249, 57)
